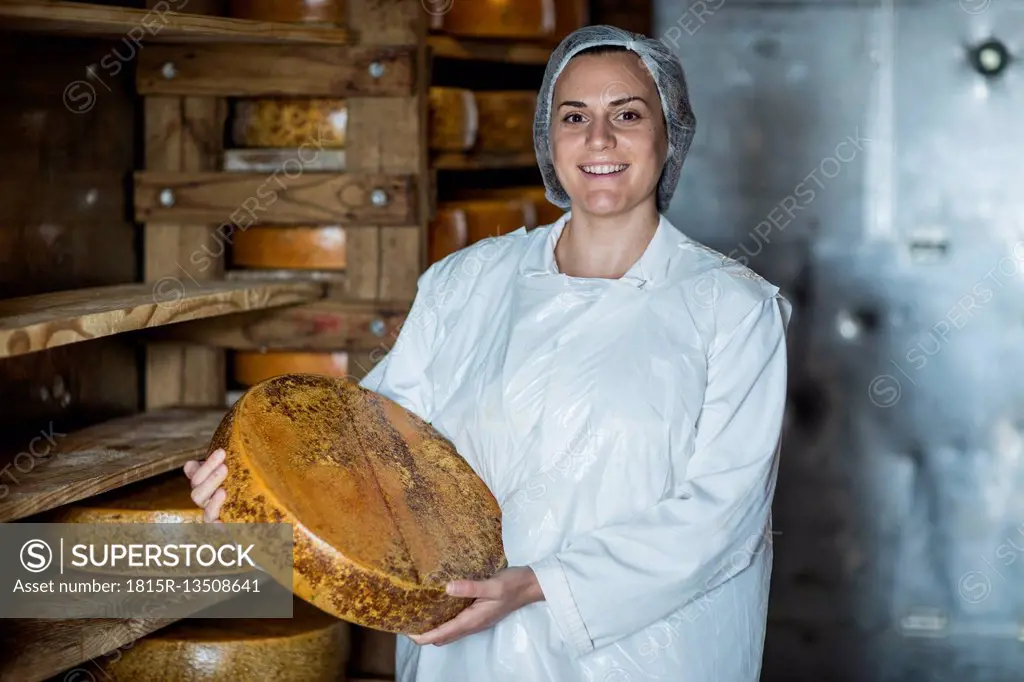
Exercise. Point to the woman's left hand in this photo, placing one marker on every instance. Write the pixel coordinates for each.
(496, 597)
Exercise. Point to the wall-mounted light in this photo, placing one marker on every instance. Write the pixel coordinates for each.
(990, 58)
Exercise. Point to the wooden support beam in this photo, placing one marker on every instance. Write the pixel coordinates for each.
(267, 70)
(321, 325)
(238, 200)
(182, 134)
(389, 135)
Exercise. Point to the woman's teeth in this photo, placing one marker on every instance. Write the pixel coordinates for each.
(605, 169)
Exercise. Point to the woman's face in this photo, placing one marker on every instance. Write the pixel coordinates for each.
(608, 138)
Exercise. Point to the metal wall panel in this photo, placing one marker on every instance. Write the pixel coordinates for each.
(855, 155)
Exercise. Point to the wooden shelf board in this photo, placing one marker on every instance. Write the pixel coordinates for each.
(98, 21)
(106, 456)
(38, 649)
(33, 323)
(455, 161)
(450, 47)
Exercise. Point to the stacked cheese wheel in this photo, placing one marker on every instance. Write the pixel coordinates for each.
(252, 367)
(458, 224)
(166, 499)
(546, 212)
(493, 18)
(484, 121)
(482, 213)
(325, 12)
(311, 646)
(506, 120)
(453, 119)
(290, 122)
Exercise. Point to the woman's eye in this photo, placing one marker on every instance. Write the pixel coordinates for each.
(573, 118)
(630, 116)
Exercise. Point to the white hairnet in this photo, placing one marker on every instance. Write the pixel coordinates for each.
(667, 73)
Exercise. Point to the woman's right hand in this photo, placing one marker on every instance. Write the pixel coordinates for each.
(206, 478)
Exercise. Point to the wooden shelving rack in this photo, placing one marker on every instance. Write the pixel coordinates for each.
(187, 309)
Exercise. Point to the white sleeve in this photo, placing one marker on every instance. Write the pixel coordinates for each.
(400, 374)
(617, 580)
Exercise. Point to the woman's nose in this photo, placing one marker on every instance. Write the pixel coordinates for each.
(600, 135)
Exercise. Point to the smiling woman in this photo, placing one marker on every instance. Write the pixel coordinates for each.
(618, 387)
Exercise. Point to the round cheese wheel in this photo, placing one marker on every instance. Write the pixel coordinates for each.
(288, 247)
(166, 499)
(308, 123)
(162, 500)
(449, 232)
(311, 646)
(252, 367)
(506, 121)
(569, 16)
(493, 18)
(328, 12)
(547, 212)
(458, 224)
(453, 119)
(384, 510)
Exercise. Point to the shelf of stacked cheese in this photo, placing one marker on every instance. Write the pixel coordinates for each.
(268, 134)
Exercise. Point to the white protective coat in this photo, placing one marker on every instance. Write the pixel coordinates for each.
(629, 428)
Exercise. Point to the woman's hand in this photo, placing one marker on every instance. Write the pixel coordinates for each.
(206, 478)
(496, 597)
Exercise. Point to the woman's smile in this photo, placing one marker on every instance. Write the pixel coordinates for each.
(604, 170)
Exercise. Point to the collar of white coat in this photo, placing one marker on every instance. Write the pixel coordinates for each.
(651, 268)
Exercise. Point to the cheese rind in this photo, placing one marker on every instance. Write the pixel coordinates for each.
(252, 367)
(384, 510)
(291, 247)
(457, 224)
(506, 121)
(454, 121)
(166, 500)
(327, 12)
(309, 647)
(306, 123)
(547, 212)
(494, 18)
